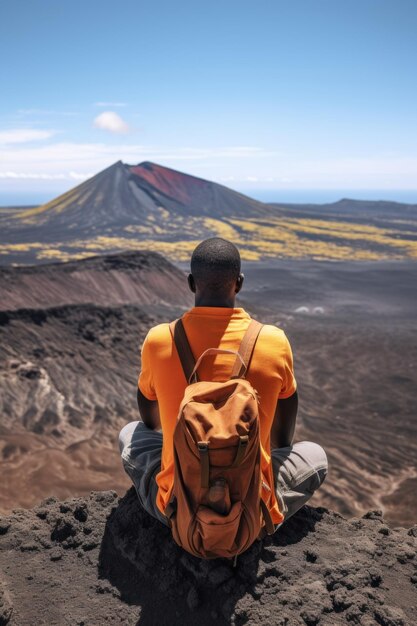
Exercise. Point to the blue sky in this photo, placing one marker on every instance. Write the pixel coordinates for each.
(301, 95)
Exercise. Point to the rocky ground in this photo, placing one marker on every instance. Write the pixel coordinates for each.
(101, 560)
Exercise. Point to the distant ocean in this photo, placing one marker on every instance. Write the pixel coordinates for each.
(300, 196)
(8, 198)
(324, 196)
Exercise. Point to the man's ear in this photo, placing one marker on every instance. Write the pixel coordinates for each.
(191, 283)
(239, 282)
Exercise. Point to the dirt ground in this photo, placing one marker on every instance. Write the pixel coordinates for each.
(102, 560)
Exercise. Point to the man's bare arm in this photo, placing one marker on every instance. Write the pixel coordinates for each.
(283, 427)
(149, 411)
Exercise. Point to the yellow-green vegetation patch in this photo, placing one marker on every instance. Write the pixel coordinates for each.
(257, 238)
(55, 254)
(221, 228)
(19, 247)
(287, 236)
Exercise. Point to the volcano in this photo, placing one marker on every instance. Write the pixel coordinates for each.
(145, 195)
(124, 207)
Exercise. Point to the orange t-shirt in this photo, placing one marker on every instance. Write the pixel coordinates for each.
(162, 378)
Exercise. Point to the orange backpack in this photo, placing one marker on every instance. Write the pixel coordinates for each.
(216, 509)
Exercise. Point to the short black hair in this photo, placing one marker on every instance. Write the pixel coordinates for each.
(215, 264)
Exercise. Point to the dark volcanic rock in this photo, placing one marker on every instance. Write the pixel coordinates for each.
(318, 569)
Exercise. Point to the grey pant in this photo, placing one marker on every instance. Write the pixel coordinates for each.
(298, 470)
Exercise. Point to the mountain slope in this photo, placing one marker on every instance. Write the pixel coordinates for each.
(123, 195)
(139, 278)
(188, 195)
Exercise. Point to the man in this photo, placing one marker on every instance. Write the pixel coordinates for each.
(291, 472)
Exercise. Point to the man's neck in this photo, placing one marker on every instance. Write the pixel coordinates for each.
(211, 301)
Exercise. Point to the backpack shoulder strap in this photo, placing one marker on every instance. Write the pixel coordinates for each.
(183, 347)
(246, 348)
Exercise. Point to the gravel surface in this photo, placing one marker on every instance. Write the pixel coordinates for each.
(102, 560)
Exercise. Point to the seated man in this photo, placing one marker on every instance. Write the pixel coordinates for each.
(291, 472)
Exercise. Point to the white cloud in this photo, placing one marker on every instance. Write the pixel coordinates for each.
(32, 112)
(26, 176)
(80, 176)
(110, 104)
(44, 176)
(111, 121)
(236, 165)
(23, 135)
(95, 156)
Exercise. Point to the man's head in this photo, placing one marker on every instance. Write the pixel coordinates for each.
(215, 272)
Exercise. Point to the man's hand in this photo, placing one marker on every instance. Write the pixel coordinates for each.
(149, 411)
(283, 427)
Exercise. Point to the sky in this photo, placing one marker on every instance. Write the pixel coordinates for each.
(267, 97)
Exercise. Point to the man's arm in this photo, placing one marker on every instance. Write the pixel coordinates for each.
(149, 411)
(283, 427)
